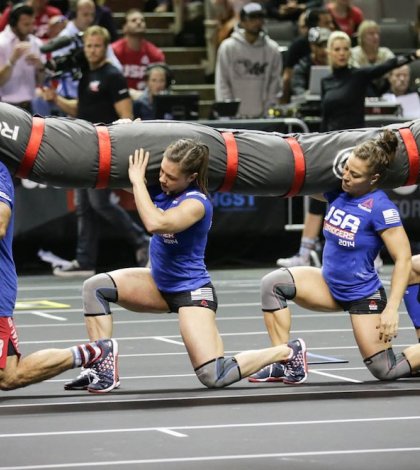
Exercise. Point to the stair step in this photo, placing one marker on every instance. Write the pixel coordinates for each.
(204, 107)
(153, 20)
(160, 37)
(188, 74)
(184, 55)
(206, 91)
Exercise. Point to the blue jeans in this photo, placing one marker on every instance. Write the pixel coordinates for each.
(91, 206)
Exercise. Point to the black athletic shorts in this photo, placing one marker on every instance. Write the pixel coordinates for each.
(374, 303)
(204, 296)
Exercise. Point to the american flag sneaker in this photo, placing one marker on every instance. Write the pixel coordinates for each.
(271, 373)
(84, 379)
(296, 368)
(106, 367)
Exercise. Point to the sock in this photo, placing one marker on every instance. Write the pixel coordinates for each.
(85, 354)
(412, 303)
(306, 246)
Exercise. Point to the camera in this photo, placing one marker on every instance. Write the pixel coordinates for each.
(70, 64)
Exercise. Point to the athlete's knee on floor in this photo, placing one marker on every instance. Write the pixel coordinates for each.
(219, 372)
(277, 288)
(10, 380)
(386, 365)
(98, 292)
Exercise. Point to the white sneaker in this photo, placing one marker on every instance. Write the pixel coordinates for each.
(73, 270)
(296, 260)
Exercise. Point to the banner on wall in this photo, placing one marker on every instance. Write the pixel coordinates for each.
(234, 214)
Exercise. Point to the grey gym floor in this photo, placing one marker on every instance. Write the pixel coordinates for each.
(163, 418)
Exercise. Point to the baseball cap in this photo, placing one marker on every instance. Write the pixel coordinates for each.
(252, 10)
(318, 35)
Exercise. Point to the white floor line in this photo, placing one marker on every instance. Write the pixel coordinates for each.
(318, 422)
(333, 376)
(171, 433)
(167, 340)
(283, 455)
(47, 315)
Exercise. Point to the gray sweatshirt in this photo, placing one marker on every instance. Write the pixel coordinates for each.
(249, 72)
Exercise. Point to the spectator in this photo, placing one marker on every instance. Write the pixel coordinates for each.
(43, 12)
(103, 17)
(400, 92)
(102, 97)
(369, 52)
(249, 66)
(318, 38)
(134, 52)
(158, 80)
(299, 48)
(21, 66)
(84, 17)
(346, 17)
(56, 24)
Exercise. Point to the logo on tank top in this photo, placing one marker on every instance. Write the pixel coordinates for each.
(94, 86)
(366, 205)
(340, 160)
(342, 225)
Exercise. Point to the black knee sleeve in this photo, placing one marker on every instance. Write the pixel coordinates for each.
(98, 291)
(386, 365)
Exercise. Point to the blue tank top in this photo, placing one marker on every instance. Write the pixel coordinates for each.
(177, 259)
(8, 276)
(352, 242)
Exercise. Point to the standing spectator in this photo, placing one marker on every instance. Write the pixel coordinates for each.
(299, 48)
(43, 12)
(158, 80)
(21, 66)
(249, 65)
(346, 16)
(134, 52)
(84, 17)
(102, 97)
(369, 52)
(318, 38)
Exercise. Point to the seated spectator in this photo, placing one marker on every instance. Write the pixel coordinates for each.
(400, 92)
(43, 13)
(369, 52)
(346, 17)
(134, 52)
(158, 80)
(84, 17)
(249, 65)
(318, 38)
(299, 47)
